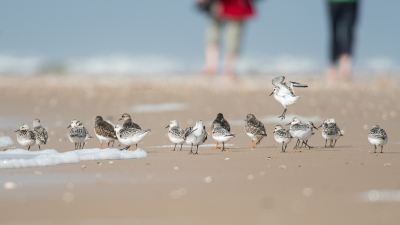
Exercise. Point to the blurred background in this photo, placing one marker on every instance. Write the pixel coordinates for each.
(124, 37)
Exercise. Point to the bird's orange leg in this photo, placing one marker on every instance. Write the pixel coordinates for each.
(101, 145)
(129, 148)
(108, 145)
(252, 143)
(136, 146)
(216, 146)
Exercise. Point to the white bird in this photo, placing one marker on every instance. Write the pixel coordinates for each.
(40, 133)
(284, 93)
(305, 141)
(299, 131)
(282, 136)
(220, 134)
(175, 133)
(25, 137)
(78, 134)
(378, 137)
(330, 131)
(196, 135)
(130, 136)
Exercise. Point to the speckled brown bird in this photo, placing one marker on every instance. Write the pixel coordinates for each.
(224, 124)
(254, 129)
(128, 122)
(104, 131)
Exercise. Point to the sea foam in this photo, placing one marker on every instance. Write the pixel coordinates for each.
(20, 158)
(5, 141)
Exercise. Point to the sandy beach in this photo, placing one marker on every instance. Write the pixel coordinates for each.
(348, 184)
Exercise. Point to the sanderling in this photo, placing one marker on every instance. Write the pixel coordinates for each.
(377, 136)
(224, 124)
(282, 136)
(40, 133)
(175, 133)
(340, 133)
(196, 135)
(104, 131)
(128, 122)
(220, 134)
(254, 129)
(330, 131)
(284, 93)
(25, 137)
(78, 134)
(299, 131)
(130, 136)
(305, 141)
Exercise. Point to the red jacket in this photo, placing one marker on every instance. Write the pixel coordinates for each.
(237, 9)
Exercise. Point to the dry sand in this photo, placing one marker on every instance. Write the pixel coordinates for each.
(260, 186)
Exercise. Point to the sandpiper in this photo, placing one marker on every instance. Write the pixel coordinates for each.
(224, 124)
(282, 136)
(104, 131)
(284, 93)
(40, 133)
(220, 134)
(175, 133)
(25, 137)
(254, 129)
(377, 136)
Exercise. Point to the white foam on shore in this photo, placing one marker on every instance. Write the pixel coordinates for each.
(163, 107)
(21, 158)
(187, 146)
(5, 141)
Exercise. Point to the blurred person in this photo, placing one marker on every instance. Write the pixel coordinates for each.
(232, 14)
(343, 17)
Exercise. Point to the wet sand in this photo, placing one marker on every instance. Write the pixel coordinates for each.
(241, 186)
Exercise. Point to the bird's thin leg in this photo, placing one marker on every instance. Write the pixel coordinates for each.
(136, 146)
(29, 148)
(334, 143)
(113, 144)
(181, 147)
(101, 145)
(374, 149)
(283, 150)
(285, 147)
(129, 148)
(126, 147)
(197, 150)
(108, 146)
(174, 147)
(39, 147)
(83, 145)
(297, 143)
(252, 143)
(223, 147)
(283, 114)
(306, 143)
(326, 140)
(381, 148)
(191, 152)
(331, 144)
(259, 141)
(75, 146)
